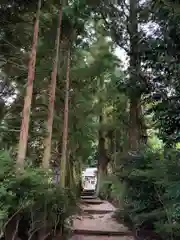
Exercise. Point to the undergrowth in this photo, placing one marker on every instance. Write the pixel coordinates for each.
(33, 201)
(148, 192)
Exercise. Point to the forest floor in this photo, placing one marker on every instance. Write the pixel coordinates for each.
(96, 222)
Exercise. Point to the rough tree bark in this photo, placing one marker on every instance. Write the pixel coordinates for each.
(28, 98)
(134, 133)
(52, 91)
(65, 126)
(134, 112)
(102, 158)
(102, 151)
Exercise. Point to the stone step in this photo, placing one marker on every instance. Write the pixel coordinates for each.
(88, 197)
(92, 201)
(104, 207)
(101, 233)
(98, 224)
(84, 237)
(88, 193)
(94, 211)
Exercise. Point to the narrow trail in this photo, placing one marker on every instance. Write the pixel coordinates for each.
(96, 222)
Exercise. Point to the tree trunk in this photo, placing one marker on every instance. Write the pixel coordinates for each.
(102, 158)
(135, 96)
(112, 148)
(11, 230)
(52, 92)
(78, 175)
(138, 133)
(102, 153)
(28, 98)
(68, 171)
(134, 125)
(65, 127)
(143, 128)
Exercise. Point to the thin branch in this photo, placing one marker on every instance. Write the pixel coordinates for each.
(165, 209)
(124, 10)
(16, 230)
(5, 225)
(9, 220)
(47, 235)
(10, 44)
(56, 223)
(36, 229)
(126, 5)
(20, 67)
(112, 34)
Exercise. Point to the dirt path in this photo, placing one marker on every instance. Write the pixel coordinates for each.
(96, 222)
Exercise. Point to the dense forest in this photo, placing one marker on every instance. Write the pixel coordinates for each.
(85, 83)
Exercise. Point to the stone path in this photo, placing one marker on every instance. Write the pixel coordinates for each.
(96, 222)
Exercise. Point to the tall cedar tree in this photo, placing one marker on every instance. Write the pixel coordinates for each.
(52, 92)
(65, 125)
(134, 112)
(28, 98)
(102, 151)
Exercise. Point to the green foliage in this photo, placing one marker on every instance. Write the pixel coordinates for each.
(152, 193)
(33, 196)
(112, 189)
(160, 55)
(146, 185)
